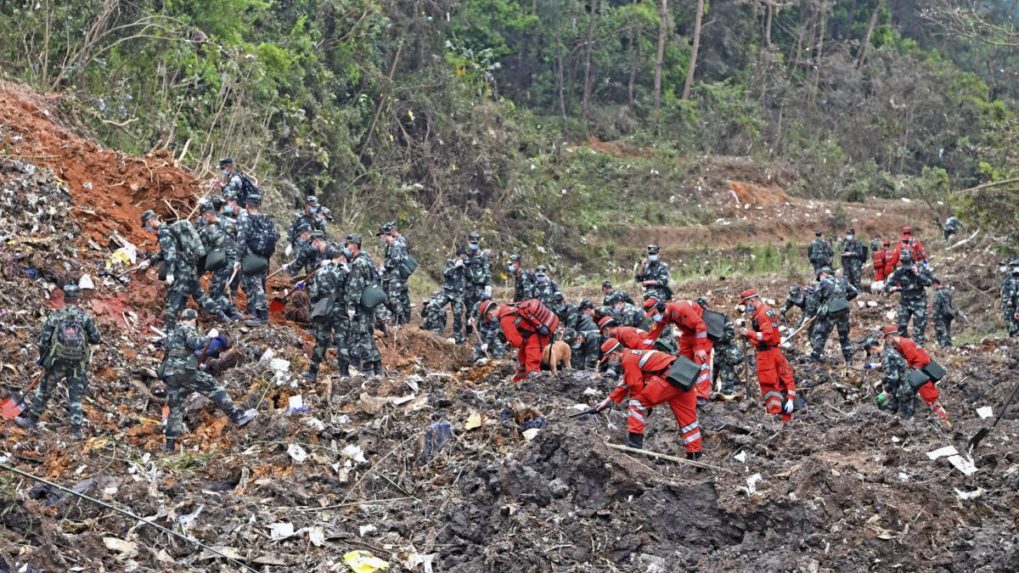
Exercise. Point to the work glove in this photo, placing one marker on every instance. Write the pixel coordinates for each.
(484, 347)
(213, 333)
(145, 265)
(458, 263)
(701, 355)
(488, 290)
(872, 365)
(350, 313)
(604, 404)
(783, 311)
(237, 267)
(289, 250)
(169, 280)
(790, 405)
(300, 285)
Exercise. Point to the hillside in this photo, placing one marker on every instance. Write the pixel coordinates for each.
(843, 488)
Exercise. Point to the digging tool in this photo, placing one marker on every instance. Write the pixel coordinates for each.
(801, 327)
(694, 463)
(481, 343)
(975, 440)
(274, 273)
(278, 304)
(13, 407)
(586, 412)
(130, 270)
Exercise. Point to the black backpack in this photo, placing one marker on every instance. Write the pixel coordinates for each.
(263, 236)
(248, 188)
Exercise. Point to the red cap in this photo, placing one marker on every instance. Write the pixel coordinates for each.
(609, 346)
(606, 321)
(650, 302)
(486, 306)
(749, 293)
(907, 230)
(885, 331)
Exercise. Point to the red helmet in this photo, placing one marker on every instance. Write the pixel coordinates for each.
(486, 306)
(907, 230)
(885, 331)
(606, 321)
(749, 293)
(609, 346)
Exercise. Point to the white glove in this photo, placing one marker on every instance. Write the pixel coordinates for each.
(169, 280)
(488, 290)
(289, 250)
(213, 333)
(324, 263)
(351, 313)
(484, 347)
(237, 266)
(458, 263)
(790, 404)
(145, 265)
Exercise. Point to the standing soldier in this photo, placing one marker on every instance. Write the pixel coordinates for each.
(951, 227)
(523, 281)
(182, 376)
(219, 236)
(778, 386)
(180, 249)
(65, 349)
(309, 217)
(479, 274)
(1010, 299)
(307, 257)
(256, 243)
(944, 313)
(820, 253)
(727, 355)
(653, 275)
(854, 254)
(235, 184)
(323, 287)
(832, 298)
(362, 320)
(392, 275)
(453, 288)
(911, 282)
(544, 287)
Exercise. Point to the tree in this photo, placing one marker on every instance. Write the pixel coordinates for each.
(696, 46)
(663, 28)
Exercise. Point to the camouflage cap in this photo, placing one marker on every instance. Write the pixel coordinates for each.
(71, 291)
(332, 251)
(218, 201)
(189, 314)
(253, 199)
(794, 290)
(870, 342)
(226, 161)
(352, 238)
(303, 227)
(384, 229)
(653, 249)
(569, 334)
(703, 302)
(474, 236)
(606, 284)
(148, 214)
(585, 304)
(514, 258)
(206, 207)
(311, 200)
(558, 296)
(541, 269)
(906, 256)
(316, 234)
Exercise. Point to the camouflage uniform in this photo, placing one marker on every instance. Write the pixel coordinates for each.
(453, 291)
(587, 353)
(728, 355)
(653, 271)
(234, 188)
(361, 344)
(490, 333)
(630, 315)
(944, 313)
(901, 395)
(221, 235)
(185, 276)
(433, 313)
(479, 278)
(853, 256)
(395, 284)
(57, 369)
(951, 227)
(806, 301)
(182, 377)
(300, 219)
(579, 321)
(253, 284)
(306, 261)
(545, 290)
(1010, 302)
(322, 291)
(523, 286)
(912, 282)
(829, 289)
(820, 254)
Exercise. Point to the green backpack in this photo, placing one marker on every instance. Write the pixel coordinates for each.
(190, 244)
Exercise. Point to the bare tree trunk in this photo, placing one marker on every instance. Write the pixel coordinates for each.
(767, 25)
(589, 41)
(820, 53)
(663, 25)
(690, 69)
(559, 78)
(798, 48)
(870, 30)
(634, 66)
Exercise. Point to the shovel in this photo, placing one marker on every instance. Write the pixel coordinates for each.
(13, 407)
(279, 303)
(587, 412)
(984, 431)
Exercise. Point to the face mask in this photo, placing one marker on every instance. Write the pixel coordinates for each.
(473, 246)
(575, 346)
(849, 237)
(228, 210)
(224, 173)
(748, 308)
(652, 258)
(541, 278)
(150, 228)
(658, 317)
(511, 269)
(614, 364)
(382, 241)
(347, 253)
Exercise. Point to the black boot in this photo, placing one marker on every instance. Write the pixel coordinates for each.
(635, 441)
(694, 456)
(170, 446)
(76, 433)
(377, 368)
(312, 374)
(344, 369)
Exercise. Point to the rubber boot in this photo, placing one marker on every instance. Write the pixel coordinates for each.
(234, 314)
(344, 369)
(258, 319)
(694, 456)
(635, 441)
(223, 318)
(170, 446)
(76, 433)
(26, 422)
(377, 368)
(311, 375)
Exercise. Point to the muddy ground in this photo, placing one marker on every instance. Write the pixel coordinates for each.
(447, 466)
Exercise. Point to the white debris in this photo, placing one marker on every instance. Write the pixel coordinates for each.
(354, 452)
(531, 433)
(942, 452)
(317, 536)
(266, 358)
(752, 482)
(968, 495)
(741, 457)
(85, 282)
(964, 465)
(366, 529)
(281, 530)
(297, 453)
(985, 412)
(589, 392)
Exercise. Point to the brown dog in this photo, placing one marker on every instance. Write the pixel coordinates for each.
(561, 355)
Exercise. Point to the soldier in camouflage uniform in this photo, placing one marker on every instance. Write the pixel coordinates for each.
(307, 257)
(585, 347)
(181, 270)
(943, 313)
(911, 282)
(631, 315)
(492, 343)
(560, 307)
(544, 287)
(362, 321)
(607, 290)
(65, 348)
(579, 319)
(1010, 299)
(453, 290)
(804, 299)
(232, 214)
(248, 232)
(182, 376)
(951, 227)
(829, 289)
(479, 275)
(323, 288)
(433, 313)
(727, 356)
(653, 276)
(523, 281)
(220, 235)
(898, 396)
(820, 252)
(853, 254)
(392, 279)
(309, 217)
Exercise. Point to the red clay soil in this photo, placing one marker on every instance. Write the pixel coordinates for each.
(110, 189)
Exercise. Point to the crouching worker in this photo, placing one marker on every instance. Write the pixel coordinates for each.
(527, 326)
(899, 357)
(182, 376)
(644, 380)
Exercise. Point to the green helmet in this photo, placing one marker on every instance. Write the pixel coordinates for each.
(72, 292)
(189, 314)
(253, 199)
(353, 238)
(148, 214)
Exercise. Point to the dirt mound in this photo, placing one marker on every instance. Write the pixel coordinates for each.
(109, 189)
(757, 195)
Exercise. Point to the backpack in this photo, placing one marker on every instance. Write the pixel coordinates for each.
(538, 315)
(248, 188)
(68, 342)
(190, 244)
(263, 236)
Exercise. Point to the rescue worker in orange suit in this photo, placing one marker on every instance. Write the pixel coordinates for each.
(688, 316)
(908, 242)
(882, 262)
(628, 336)
(773, 372)
(917, 357)
(644, 381)
(520, 334)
